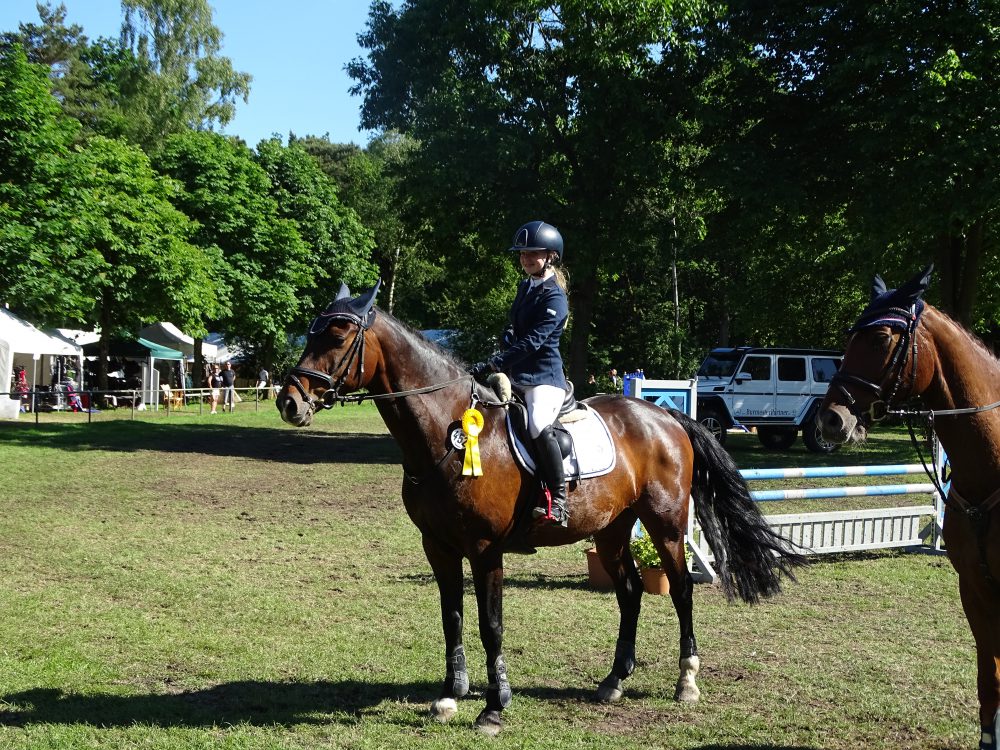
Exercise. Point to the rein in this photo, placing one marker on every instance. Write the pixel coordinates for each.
(332, 394)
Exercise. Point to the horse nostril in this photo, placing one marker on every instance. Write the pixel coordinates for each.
(830, 421)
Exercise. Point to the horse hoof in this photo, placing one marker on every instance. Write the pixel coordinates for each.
(488, 722)
(687, 692)
(610, 690)
(443, 709)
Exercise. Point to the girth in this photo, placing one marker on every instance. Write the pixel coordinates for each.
(979, 519)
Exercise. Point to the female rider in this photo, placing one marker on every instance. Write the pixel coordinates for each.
(530, 353)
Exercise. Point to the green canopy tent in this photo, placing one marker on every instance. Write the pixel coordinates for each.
(144, 351)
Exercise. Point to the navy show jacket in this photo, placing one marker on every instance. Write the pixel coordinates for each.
(537, 319)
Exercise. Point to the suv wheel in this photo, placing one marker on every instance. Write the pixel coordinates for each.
(812, 435)
(712, 420)
(776, 438)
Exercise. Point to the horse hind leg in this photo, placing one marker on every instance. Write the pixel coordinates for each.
(612, 548)
(668, 537)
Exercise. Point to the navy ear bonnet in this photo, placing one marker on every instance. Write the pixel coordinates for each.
(896, 308)
(360, 310)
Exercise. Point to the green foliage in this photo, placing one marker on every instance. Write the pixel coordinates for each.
(117, 248)
(644, 551)
(338, 245)
(572, 117)
(265, 263)
(188, 84)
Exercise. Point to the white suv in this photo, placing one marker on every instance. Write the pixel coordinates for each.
(778, 391)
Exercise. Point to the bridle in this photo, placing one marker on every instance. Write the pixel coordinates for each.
(356, 350)
(891, 377)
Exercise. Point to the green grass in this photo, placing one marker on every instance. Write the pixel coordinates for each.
(226, 582)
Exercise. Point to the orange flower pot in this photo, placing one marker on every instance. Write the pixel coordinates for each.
(655, 581)
(599, 578)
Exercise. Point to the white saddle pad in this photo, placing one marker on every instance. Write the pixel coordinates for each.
(593, 453)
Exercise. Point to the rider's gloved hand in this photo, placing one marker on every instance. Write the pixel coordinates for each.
(482, 370)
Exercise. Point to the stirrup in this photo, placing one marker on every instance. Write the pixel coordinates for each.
(555, 514)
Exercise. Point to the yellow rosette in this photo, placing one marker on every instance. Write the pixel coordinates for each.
(472, 425)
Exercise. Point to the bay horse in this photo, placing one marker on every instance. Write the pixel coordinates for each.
(902, 348)
(663, 457)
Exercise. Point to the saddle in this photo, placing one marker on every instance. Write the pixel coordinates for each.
(583, 437)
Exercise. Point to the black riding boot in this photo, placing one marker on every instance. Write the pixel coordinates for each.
(550, 468)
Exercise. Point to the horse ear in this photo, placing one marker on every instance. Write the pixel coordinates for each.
(914, 288)
(364, 302)
(878, 287)
(344, 292)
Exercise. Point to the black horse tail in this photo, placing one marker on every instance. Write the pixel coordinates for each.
(750, 557)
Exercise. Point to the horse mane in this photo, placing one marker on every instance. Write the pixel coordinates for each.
(431, 353)
(976, 344)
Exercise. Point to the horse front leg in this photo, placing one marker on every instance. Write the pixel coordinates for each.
(447, 567)
(982, 617)
(487, 573)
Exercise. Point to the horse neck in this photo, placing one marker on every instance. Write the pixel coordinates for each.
(965, 375)
(407, 361)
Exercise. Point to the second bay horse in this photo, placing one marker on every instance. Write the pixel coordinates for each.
(902, 348)
(663, 457)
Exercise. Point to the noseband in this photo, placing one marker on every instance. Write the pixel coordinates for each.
(892, 375)
(356, 350)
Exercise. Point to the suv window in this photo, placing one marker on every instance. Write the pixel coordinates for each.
(792, 368)
(719, 365)
(759, 368)
(824, 369)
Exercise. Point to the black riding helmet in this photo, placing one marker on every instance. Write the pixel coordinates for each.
(537, 235)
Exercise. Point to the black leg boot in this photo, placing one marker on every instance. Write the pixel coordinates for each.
(550, 467)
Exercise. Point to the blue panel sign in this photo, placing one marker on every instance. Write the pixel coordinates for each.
(668, 394)
(668, 399)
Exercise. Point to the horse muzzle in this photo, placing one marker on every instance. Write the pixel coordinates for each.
(294, 409)
(839, 425)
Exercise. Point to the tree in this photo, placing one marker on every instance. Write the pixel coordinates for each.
(904, 100)
(189, 84)
(565, 112)
(36, 139)
(267, 266)
(338, 244)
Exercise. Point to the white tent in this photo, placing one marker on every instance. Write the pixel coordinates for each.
(23, 344)
(169, 335)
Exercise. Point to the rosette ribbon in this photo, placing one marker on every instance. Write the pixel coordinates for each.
(472, 425)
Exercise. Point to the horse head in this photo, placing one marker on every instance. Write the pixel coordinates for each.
(336, 359)
(881, 367)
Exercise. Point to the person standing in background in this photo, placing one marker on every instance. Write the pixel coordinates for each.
(214, 382)
(228, 387)
(262, 377)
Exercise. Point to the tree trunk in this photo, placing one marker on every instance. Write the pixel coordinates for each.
(582, 297)
(198, 366)
(104, 347)
(959, 258)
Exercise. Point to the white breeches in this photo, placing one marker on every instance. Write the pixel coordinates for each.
(544, 402)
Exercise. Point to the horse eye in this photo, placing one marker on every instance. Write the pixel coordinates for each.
(882, 342)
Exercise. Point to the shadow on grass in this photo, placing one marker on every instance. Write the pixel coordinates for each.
(260, 443)
(254, 703)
